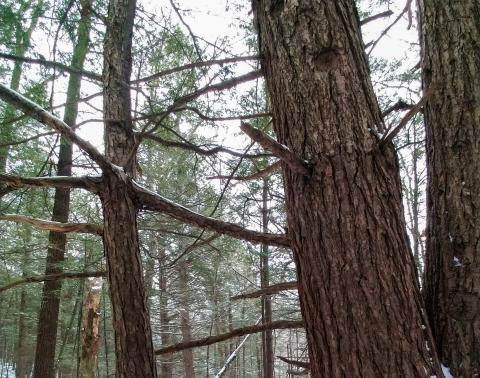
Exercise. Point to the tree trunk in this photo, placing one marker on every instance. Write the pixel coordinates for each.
(185, 326)
(48, 317)
(267, 336)
(356, 277)
(166, 370)
(22, 368)
(131, 321)
(451, 33)
(89, 331)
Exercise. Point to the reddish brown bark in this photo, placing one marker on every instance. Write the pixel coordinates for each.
(356, 277)
(451, 61)
(131, 322)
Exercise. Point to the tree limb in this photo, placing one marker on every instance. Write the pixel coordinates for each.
(270, 170)
(206, 63)
(51, 277)
(301, 364)
(90, 183)
(278, 324)
(269, 290)
(52, 64)
(399, 105)
(82, 228)
(388, 137)
(279, 150)
(366, 20)
(35, 111)
(149, 200)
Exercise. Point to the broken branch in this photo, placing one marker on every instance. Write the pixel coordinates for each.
(278, 324)
(269, 290)
(279, 150)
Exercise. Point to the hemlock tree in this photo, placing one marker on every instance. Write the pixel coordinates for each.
(451, 61)
(48, 318)
(356, 279)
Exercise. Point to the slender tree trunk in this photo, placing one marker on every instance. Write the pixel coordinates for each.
(131, 321)
(267, 336)
(48, 317)
(22, 352)
(451, 65)
(185, 325)
(166, 370)
(22, 43)
(89, 331)
(356, 277)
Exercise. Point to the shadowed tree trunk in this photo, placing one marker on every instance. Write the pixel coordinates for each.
(356, 277)
(48, 317)
(165, 331)
(185, 325)
(451, 65)
(267, 336)
(131, 321)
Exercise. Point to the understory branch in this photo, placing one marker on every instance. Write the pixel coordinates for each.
(51, 277)
(269, 290)
(209, 340)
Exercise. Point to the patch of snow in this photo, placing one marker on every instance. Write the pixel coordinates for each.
(456, 261)
(446, 373)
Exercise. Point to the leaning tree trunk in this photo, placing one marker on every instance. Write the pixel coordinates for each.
(131, 321)
(451, 35)
(48, 318)
(356, 276)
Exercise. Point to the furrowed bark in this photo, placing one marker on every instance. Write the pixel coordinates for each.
(356, 279)
(57, 241)
(451, 61)
(131, 321)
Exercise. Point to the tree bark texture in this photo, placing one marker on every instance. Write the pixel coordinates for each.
(89, 337)
(48, 317)
(131, 321)
(451, 65)
(356, 277)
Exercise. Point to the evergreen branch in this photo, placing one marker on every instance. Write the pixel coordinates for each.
(269, 290)
(279, 150)
(209, 340)
(82, 228)
(51, 277)
(52, 64)
(149, 200)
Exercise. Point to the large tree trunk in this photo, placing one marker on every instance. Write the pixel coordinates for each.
(131, 321)
(451, 35)
(48, 317)
(356, 277)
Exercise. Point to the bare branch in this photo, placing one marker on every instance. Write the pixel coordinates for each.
(90, 183)
(388, 137)
(399, 105)
(52, 64)
(278, 324)
(226, 118)
(206, 63)
(366, 20)
(35, 111)
(279, 150)
(51, 277)
(301, 364)
(199, 150)
(270, 170)
(269, 290)
(82, 228)
(149, 200)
